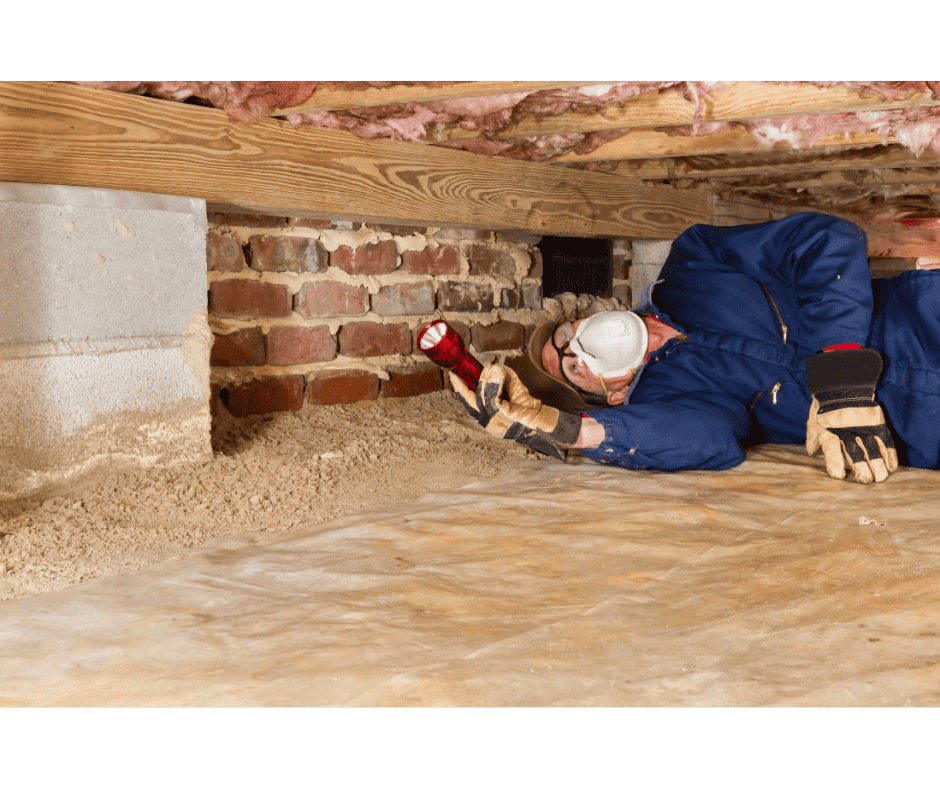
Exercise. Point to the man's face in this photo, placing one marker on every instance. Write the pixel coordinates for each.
(577, 371)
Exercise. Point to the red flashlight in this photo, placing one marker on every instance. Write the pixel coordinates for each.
(443, 345)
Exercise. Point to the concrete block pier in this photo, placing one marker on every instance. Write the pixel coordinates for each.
(104, 341)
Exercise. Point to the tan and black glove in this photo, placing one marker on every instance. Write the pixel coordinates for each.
(503, 406)
(844, 418)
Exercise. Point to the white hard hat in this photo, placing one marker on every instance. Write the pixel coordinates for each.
(611, 343)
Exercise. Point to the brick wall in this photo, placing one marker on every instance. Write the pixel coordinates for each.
(328, 312)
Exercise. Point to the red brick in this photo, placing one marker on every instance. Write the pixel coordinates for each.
(248, 298)
(464, 297)
(286, 253)
(413, 298)
(430, 261)
(489, 261)
(342, 387)
(224, 252)
(325, 299)
(265, 395)
(502, 335)
(374, 339)
(240, 348)
(518, 237)
(299, 344)
(412, 381)
(372, 259)
(246, 220)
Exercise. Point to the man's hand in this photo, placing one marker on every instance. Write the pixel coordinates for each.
(503, 406)
(844, 419)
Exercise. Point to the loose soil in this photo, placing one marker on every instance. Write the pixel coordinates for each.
(268, 474)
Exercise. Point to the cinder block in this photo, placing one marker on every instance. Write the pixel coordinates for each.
(648, 259)
(104, 340)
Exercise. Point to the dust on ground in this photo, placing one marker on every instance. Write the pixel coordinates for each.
(269, 473)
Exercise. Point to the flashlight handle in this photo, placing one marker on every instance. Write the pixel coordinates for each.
(443, 345)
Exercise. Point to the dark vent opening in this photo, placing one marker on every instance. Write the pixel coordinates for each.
(576, 265)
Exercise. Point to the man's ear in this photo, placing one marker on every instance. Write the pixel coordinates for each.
(616, 397)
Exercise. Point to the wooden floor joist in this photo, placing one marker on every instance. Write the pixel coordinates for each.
(65, 134)
(738, 101)
(329, 98)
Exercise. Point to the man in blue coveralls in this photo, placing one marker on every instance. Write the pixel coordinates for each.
(770, 333)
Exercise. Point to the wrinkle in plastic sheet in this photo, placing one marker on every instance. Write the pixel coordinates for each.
(574, 585)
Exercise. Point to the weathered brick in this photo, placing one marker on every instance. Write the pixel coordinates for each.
(464, 297)
(299, 345)
(430, 261)
(412, 381)
(286, 253)
(224, 252)
(245, 220)
(265, 395)
(412, 298)
(622, 291)
(535, 269)
(510, 299)
(502, 335)
(374, 339)
(316, 224)
(248, 298)
(342, 387)
(531, 295)
(240, 348)
(372, 259)
(325, 299)
(620, 265)
(489, 261)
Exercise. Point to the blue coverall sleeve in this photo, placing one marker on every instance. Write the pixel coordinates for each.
(824, 259)
(667, 436)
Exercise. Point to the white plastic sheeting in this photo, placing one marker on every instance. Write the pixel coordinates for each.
(768, 584)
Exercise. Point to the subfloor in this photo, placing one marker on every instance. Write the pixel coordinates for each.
(541, 585)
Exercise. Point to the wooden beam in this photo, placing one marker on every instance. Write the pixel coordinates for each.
(778, 162)
(737, 101)
(77, 136)
(330, 98)
(646, 143)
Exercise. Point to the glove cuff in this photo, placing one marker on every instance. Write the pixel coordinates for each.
(844, 375)
(567, 429)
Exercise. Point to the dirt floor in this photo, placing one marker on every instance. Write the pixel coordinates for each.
(268, 473)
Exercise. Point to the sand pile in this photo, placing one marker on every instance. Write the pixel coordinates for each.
(268, 474)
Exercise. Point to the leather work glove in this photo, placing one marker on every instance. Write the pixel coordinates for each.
(503, 406)
(844, 418)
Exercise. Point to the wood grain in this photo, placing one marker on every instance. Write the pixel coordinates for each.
(329, 98)
(72, 135)
(646, 143)
(738, 101)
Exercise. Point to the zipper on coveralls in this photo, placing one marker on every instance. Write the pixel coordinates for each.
(773, 394)
(783, 326)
